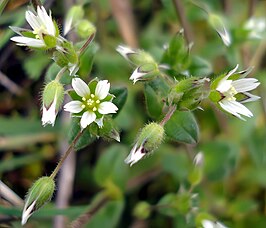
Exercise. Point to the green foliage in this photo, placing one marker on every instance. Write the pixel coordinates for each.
(182, 127)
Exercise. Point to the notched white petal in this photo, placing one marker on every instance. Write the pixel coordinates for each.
(73, 107)
(102, 89)
(107, 108)
(87, 118)
(80, 87)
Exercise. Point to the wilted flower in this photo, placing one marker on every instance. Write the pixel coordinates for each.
(149, 139)
(256, 27)
(44, 33)
(39, 194)
(146, 69)
(52, 98)
(231, 90)
(90, 102)
(211, 224)
(218, 24)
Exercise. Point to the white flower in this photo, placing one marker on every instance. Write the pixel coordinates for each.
(42, 25)
(49, 114)
(92, 102)
(235, 92)
(126, 52)
(256, 27)
(211, 224)
(27, 212)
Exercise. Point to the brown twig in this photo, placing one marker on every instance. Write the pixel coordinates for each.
(183, 20)
(122, 11)
(10, 85)
(86, 217)
(251, 7)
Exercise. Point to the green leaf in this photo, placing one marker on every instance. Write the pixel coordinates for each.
(219, 159)
(86, 137)
(111, 167)
(200, 67)
(182, 127)
(35, 64)
(108, 216)
(120, 97)
(154, 103)
(87, 59)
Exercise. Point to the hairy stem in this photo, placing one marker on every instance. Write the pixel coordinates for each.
(181, 15)
(64, 157)
(60, 74)
(168, 115)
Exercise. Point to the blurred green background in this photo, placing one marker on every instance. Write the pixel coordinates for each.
(155, 192)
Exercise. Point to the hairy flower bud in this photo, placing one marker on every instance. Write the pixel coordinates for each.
(52, 99)
(39, 194)
(85, 28)
(148, 140)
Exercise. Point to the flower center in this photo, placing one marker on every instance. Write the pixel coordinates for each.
(90, 103)
(38, 32)
(230, 93)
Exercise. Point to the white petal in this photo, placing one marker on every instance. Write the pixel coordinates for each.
(235, 108)
(135, 155)
(80, 87)
(87, 118)
(73, 107)
(49, 115)
(99, 122)
(250, 97)
(224, 85)
(107, 107)
(231, 72)
(124, 51)
(102, 89)
(225, 36)
(26, 41)
(33, 20)
(27, 212)
(137, 75)
(245, 84)
(207, 224)
(46, 20)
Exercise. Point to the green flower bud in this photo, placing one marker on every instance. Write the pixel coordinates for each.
(67, 56)
(135, 56)
(53, 95)
(145, 72)
(142, 210)
(148, 140)
(85, 28)
(39, 194)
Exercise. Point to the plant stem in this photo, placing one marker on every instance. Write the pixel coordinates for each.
(84, 47)
(181, 15)
(3, 5)
(168, 115)
(63, 158)
(86, 217)
(60, 74)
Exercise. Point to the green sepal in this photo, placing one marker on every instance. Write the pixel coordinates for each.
(49, 40)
